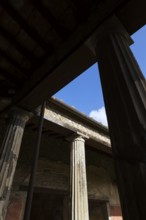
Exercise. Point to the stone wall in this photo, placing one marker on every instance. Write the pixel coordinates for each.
(53, 172)
(55, 175)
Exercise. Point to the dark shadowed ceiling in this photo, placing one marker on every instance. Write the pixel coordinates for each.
(42, 43)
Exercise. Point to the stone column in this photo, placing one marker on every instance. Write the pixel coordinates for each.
(79, 195)
(9, 154)
(124, 91)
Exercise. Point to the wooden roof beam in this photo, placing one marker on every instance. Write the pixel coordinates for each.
(17, 45)
(31, 31)
(10, 77)
(13, 62)
(62, 31)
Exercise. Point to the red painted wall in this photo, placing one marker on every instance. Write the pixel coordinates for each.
(115, 213)
(15, 208)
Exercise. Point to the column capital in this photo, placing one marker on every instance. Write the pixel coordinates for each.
(19, 113)
(110, 26)
(77, 136)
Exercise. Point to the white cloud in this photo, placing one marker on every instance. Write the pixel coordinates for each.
(99, 115)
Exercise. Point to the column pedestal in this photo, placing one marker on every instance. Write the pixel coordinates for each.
(79, 195)
(9, 154)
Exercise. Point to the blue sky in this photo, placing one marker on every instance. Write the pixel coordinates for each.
(85, 94)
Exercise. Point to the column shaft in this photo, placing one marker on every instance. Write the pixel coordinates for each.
(78, 181)
(124, 91)
(9, 155)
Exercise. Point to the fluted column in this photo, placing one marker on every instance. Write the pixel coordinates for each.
(124, 91)
(9, 152)
(79, 195)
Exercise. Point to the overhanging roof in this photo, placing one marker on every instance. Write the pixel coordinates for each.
(63, 122)
(42, 43)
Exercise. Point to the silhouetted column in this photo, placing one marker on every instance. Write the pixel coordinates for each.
(124, 91)
(9, 155)
(79, 195)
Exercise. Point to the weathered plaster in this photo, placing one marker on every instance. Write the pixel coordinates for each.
(67, 122)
